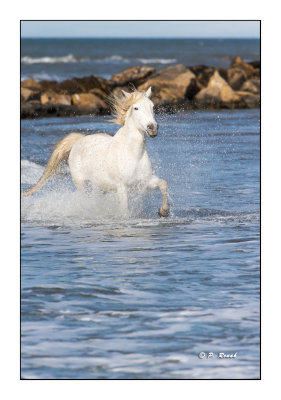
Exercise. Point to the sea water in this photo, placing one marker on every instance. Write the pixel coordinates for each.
(141, 298)
(60, 59)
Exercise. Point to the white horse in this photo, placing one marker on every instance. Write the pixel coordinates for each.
(119, 163)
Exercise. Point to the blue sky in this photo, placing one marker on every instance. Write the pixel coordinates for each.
(148, 29)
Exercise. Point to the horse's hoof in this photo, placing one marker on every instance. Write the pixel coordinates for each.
(163, 211)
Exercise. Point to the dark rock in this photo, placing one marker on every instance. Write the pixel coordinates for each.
(223, 73)
(252, 86)
(38, 110)
(236, 78)
(30, 84)
(134, 75)
(238, 72)
(238, 63)
(81, 85)
(99, 93)
(32, 110)
(170, 73)
(89, 101)
(117, 91)
(91, 82)
(218, 94)
(250, 99)
(51, 97)
(69, 86)
(203, 74)
(173, 88)
(255, 64)
(257, 73)
(172, 85)
(28, 94)
(47, 85)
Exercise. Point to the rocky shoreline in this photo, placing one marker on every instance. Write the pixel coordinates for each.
(174, 88)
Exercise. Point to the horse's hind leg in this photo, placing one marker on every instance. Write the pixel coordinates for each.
(156, 183)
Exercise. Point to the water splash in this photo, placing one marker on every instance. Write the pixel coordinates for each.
(59, 203)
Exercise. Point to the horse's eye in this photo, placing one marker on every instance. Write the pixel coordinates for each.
(135, 108)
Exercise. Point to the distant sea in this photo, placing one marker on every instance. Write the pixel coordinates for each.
(58, 59)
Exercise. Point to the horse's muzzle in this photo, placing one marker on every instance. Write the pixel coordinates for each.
(152, 130)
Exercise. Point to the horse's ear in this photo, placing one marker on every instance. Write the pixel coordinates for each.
(126, 94)
(148, 92)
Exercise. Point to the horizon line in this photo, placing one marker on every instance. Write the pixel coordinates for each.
(139, 37)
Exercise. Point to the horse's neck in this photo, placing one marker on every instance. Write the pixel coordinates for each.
(134, 140)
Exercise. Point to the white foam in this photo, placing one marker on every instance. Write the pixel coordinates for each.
(43, 76)
(30, 172)
(116, 58)
(51, 60)
(63, 205)
(113, 58)
(157, 60)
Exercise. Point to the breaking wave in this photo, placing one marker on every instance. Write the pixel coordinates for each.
(43, 76)
(52, 60)
(119, 59)
(115, 59)
(157, 60)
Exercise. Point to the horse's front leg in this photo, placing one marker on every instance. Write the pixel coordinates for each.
(156, 183)
(123, 199)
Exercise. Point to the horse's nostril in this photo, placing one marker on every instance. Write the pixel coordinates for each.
(152, 127)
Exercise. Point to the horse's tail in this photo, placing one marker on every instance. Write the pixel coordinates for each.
(60, 154)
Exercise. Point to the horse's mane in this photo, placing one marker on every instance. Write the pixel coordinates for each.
(120, 104)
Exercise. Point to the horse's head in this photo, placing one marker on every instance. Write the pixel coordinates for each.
(143, 115)
(135, 109)
(140, 111)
